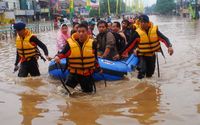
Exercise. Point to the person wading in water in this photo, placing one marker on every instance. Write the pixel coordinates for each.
(81, 52)
(145, 43)
(27, 51)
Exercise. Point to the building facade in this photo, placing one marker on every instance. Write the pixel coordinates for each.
(31, 10)
(26, 11)
(18, 10)
(7, 7)
(42, 9)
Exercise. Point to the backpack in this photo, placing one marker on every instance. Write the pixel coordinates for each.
(129, 33)
(120, 41)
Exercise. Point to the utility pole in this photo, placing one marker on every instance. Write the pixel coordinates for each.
(181, 4)
(120, 6)
(196, 10)
(126, 3)
(49, 10)
(108, 1)
(71, 9)
(99, 8)
(117, 5)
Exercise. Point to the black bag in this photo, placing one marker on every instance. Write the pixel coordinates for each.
(120, 41)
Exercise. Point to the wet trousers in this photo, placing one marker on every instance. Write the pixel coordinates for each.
(146, 66)
(86, 82)
(27, 67)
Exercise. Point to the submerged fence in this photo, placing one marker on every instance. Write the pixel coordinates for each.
(8, 31)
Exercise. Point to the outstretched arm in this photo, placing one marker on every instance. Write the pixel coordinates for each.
(132, 45)
(166, 41)
(36, 41)
(63, 54)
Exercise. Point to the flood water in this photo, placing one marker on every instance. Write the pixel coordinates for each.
(172, 99)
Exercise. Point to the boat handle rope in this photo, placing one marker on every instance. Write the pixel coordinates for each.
(62, 81)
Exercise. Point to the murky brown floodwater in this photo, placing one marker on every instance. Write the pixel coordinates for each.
(173, 99)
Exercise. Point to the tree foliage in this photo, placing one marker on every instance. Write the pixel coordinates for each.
(104, 8)
(150, 10)
(165, 6)
(93, 12)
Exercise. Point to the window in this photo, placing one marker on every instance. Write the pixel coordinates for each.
(14, 5)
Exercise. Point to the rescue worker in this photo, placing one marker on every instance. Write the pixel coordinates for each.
(27, 51)
(146, 42)
(136, 23)
(81, 52)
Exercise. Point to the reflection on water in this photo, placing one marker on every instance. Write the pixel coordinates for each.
(198, 108)
(132, 110)
(30, 100)
(80, 113)
(139, 108)
(29, 109)
(146, 105)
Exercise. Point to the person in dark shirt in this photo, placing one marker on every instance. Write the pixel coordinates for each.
(145, 43)
(109, 26)
(120, 37)
(27, 51)
(75, 28)
(106, 43)
(81, 52)
(127, 30)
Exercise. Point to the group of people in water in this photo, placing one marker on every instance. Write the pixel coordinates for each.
(82, 47)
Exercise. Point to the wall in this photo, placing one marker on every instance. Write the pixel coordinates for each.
(9, 15)
(26, 4)
(13, 4)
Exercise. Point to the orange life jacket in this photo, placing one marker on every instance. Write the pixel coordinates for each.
(81, 60)
(149, 43)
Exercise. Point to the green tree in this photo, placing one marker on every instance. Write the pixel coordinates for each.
(165, 6)
(93, 12)
(150, 10)
(104, 7)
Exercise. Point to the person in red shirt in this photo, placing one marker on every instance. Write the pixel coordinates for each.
(145, 43)
(81, 52)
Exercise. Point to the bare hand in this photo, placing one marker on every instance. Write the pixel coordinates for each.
(101, 71)
(57, 59)
(135, 51)
(48, 58)
(170, 51)
(103, 56)
(100, 57)
(116, 57)
(124, 55)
